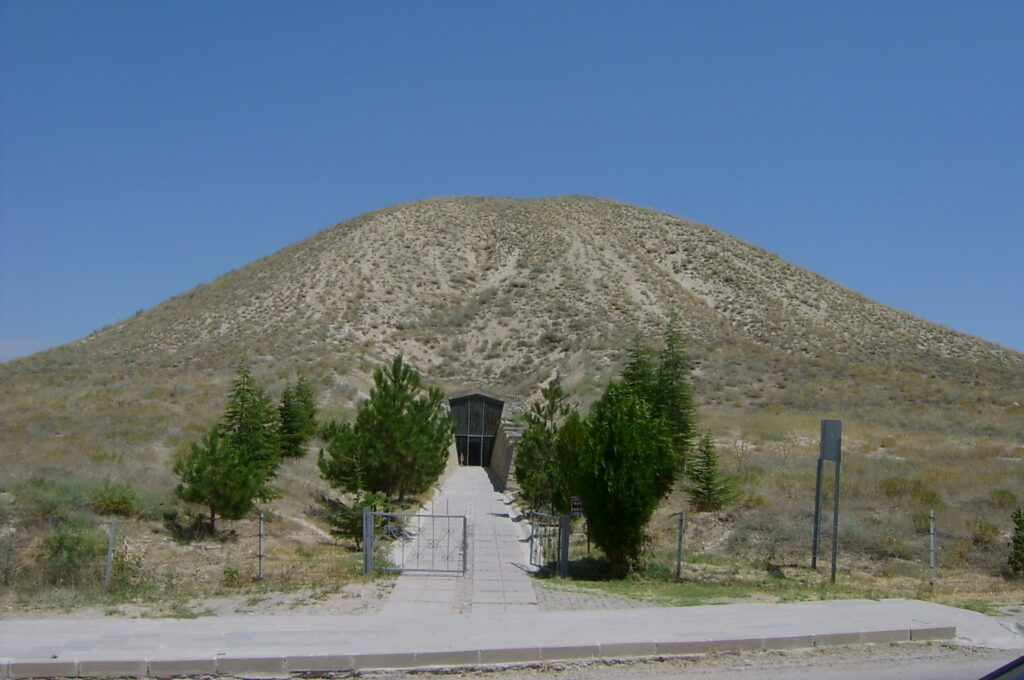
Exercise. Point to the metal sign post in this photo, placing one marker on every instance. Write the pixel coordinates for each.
(831, 449)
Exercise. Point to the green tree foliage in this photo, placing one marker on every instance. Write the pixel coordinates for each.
(673, 403)
(346, 520)
(343, 462)
(222, 477)
(662, 379)
(1016, 561)
(297, 414)
(641, 370)
(73, 552)
(399, 442)
(536, 467)
(623, 471)
(251, 425)
(708, 488)
(569, 445)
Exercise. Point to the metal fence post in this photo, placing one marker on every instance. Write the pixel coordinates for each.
(367, 540)
(465, 543)
(259, 576)
(108, 569)
(679, 546)
(817, 515)
(564, 527)
(835, 523)
(931, 548)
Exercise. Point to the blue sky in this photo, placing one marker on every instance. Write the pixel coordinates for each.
(148, 147)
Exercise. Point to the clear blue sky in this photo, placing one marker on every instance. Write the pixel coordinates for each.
(147, 147)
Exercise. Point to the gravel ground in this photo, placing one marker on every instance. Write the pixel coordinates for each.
(906, 661)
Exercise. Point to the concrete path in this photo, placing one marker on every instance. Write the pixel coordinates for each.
(496, 580)
(260, 645)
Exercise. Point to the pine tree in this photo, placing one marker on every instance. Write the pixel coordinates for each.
(221, 477)
(251, 425)
(673, 402)
(297, 414)
(708, 488)
(536, 467)
(399, 442)
(662, 379)
(641, 370)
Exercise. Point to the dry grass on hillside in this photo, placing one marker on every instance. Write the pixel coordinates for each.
(508, 294)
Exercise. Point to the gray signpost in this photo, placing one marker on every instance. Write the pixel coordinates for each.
(831, 449)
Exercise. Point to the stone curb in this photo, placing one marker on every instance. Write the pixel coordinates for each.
(282, 665)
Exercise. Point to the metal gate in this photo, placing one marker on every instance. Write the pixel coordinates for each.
(397, 541)
(549, 542)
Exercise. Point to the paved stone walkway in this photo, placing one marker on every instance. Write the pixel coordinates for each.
(496, 580)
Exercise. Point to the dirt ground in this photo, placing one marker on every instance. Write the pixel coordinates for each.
(905, 661)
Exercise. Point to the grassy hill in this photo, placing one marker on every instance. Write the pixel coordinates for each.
(507, 294)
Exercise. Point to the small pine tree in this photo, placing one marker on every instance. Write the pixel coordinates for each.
(297, 413)
(673, 403)
(399, 442)
(708, 488)
(1016, 560)
(251, 425)
(222, 478)
(536, 467)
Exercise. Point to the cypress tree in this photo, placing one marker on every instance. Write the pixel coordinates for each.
(623, 471)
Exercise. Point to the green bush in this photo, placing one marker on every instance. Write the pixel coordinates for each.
(40, 501)
(1016, 561)
(116, 498)
(72, 552)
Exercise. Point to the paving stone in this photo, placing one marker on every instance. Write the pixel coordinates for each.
(42, 669)
(789, 642)
(448, 658)
(333, 662)
(884, 636)
(393, 660)
(569, 652)
(253, 664)
(131, 668)
(170, 668)
(933, 633)
(622, 649)
(510, 655)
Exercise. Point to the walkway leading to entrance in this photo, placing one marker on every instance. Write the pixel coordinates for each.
(496, 580)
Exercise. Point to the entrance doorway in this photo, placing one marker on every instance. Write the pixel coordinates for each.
(477, 416)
